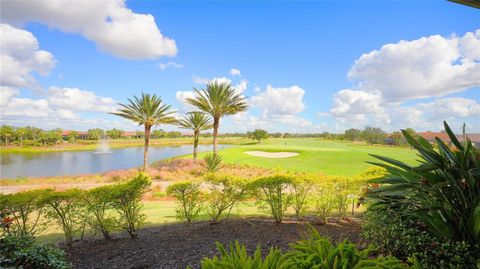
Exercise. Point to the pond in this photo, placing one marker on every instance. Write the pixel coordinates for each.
(61, 163)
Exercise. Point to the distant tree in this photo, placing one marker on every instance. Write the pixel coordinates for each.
(33, 132)
(218, 100)
(276, 135)
(95, 134)
(158, 133)
(6, 132)
(114, 133)
(412, 132)
(139, 134)
(173, 134)
(373, 135)
(72, 136)
(54, 136)
(195, 121)
(149, 111)
(258, 134)
(398, 138)
(21, 133)
(353, 134)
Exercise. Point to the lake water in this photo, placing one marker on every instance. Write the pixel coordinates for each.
(61, 163)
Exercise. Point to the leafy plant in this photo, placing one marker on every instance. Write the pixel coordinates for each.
(189, 197)
(444, 190)
(324, 200)
(23, 212)
(301, 188)
(273, 191)
(127, 202)
(397, 233)
(24, 252)
(98, 203)
(238, 258)
(317, 252)
(224, 192)
(212, 162)
(64, 207)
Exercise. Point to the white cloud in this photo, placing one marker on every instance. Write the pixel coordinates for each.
(171, 64)
(235, 72)
(181, 96)
(429, 67)
(109, 23)
(426, 67)
(20, 56)
(280, 101)
(76, 99)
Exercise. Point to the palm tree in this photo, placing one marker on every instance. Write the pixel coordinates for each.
(196, 121)
(148, 111)
(218, 100)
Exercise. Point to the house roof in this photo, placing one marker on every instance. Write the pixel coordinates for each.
(430, 136)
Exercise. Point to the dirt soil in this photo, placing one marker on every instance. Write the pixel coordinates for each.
(177, 245)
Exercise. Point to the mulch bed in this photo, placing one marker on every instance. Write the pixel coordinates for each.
(177, 245)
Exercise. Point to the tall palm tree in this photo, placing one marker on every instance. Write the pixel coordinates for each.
(218, 100)
(196, 121)
(148, 110)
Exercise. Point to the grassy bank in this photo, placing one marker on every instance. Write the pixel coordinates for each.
(121, 143)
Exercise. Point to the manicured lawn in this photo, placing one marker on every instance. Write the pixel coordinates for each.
(315, 155)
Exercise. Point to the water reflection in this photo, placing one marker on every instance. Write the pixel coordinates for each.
(15, 165)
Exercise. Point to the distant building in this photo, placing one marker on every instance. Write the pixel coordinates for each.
(430, 137)
(81, 135)
(131, 134)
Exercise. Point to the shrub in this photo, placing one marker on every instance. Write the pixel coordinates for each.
(398, 234)
(273, 191)
(64, 207)
(99, 205)
(23, 252)
(301, 187)
(324, 200)
(23, 212)
(444, 189)
(224, 192)
(342, 187)
(127, 202)
(212, 162)
(238, 258)
(189, 197)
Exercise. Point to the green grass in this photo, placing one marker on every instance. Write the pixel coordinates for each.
(316, 155)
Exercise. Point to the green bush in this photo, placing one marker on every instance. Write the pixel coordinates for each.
(99, 214)
(273, 191)
(189, 198)
(65, 208)
(324, 200)
(398, 234)
(301, 188)
(23, 212)
(238, 258)
(126, 199)
(224, 192)
(23, 252)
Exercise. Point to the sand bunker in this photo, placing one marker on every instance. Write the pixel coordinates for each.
(271, 154)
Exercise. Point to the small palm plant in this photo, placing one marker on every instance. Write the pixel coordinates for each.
(212, 162)
(148, 110)
(196, 121)
(218, 100)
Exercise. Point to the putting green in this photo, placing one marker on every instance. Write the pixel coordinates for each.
(315, 155)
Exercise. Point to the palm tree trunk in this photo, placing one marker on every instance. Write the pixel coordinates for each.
(216, 123)
(145, 148)
(196, 134)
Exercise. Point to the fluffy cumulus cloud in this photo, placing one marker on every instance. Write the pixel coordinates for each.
(115, 28)
(21, 56)
(58, 104)
(427, 68)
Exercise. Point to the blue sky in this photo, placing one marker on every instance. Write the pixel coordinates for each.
(293, 57)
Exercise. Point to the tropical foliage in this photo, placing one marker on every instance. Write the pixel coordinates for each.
(149, 111)
(195, 121)
(218, 100)
(189, 198)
